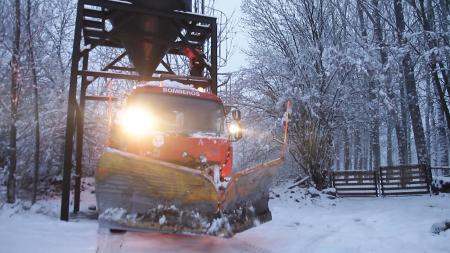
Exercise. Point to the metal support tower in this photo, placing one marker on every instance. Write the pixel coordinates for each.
(91, 30)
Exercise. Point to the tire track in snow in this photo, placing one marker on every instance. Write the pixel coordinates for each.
(246, 247)
(131, 242)
(109, 242)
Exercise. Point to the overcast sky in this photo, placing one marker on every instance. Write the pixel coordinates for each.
(240, 41)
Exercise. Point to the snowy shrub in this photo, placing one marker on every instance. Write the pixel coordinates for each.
(311, 146)
(440, 184)
(439, 227)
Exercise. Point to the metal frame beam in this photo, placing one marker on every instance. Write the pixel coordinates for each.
(131, 8)
(80, 135)
(213, 69)
(196, 80)
(75, 111)
(101, 98)
(70, 124)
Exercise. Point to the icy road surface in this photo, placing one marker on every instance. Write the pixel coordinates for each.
(309, 225)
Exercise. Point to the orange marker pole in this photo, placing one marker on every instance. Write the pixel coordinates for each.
(286, 126)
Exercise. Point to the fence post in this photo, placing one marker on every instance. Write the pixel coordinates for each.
(375, 181)
(332, 179)
(428, 176)
(380, 173)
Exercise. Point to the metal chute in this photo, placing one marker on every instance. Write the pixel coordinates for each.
(148, 38)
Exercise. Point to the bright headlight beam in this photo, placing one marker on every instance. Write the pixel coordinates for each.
(136, 120)
(234, 128)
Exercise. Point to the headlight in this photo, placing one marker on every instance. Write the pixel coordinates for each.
(234, 128)
(135, 120)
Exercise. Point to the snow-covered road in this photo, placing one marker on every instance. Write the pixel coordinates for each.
(310, 225)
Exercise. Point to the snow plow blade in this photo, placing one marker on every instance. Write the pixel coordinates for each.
(245, 202)
(137, 193)
(140, 193)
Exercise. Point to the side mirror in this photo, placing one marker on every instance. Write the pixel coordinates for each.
(236, 114)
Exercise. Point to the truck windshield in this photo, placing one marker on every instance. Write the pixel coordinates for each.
(182, 114)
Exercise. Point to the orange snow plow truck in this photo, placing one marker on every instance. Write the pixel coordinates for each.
(169, 164)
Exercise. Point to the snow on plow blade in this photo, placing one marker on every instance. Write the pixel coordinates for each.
(245, 202)
(140, 193)
(137, 193)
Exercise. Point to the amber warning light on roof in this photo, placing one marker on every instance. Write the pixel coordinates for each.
(181, 92)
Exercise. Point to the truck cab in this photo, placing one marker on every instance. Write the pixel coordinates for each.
(176, 123)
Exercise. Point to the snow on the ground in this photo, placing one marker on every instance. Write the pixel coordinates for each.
(39, 233)
(399, 224)
(36, 228)
(301, 223)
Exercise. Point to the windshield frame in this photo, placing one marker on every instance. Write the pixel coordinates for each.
(219, 132)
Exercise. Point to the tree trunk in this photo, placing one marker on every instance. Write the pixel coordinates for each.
(347, 158)
(442, 140)
(433, 136)
(402, 133)
(338, 153)
(410, 144)
(37, 138)
(375, 138)
(400, 123)
(374, 119)
(15, 68)
(363, 159)
(428, 116)
(357, 150)
(441, 95)
(378, 36)
(443, 15)
(369, 153)
(389, 149)
(411, 91)
(427, 16)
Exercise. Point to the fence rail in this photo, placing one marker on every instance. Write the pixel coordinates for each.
(404, 180)
(386, 181)
(355, 183)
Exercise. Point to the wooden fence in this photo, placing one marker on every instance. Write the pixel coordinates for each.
(404, 180)
(352, 183)
(386, 181)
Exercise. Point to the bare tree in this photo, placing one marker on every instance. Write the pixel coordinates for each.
(32, 66)
(15, 67)
(410, 86)
(373, 100)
